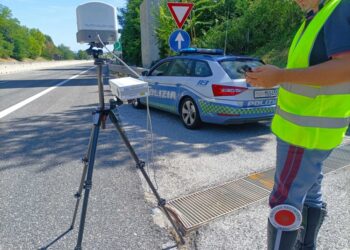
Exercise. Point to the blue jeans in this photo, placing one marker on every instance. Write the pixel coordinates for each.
(298, 176)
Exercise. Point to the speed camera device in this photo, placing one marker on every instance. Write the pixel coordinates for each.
(128, 88)
(96, 19)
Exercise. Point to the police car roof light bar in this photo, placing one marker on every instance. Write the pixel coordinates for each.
(201, 51)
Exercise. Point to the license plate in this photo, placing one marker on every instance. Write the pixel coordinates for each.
(265, 93)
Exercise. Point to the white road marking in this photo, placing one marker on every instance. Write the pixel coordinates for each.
(34, 97)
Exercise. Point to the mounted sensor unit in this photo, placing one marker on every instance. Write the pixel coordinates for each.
(96, 19)
(128, 88)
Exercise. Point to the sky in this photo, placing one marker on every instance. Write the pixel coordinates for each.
(56, 18)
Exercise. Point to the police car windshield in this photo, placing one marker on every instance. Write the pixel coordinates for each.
(235, 67)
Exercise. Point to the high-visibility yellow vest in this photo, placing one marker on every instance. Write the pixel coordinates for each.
(308, 116)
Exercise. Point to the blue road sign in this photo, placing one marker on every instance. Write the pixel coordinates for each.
(179, 39)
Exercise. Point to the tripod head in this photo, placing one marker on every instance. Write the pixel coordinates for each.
(99, 62)
(94, 52)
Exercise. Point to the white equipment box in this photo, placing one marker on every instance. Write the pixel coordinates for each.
(128, 88)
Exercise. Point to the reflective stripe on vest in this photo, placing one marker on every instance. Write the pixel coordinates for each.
(309, 116)
(313, 121)
(312, 92)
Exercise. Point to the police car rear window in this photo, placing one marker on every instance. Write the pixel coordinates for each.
(201, 69)
(234, 68)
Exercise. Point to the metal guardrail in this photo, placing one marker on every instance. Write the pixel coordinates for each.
(122, 70)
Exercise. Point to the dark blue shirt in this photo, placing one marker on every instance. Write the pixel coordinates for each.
(334, 37)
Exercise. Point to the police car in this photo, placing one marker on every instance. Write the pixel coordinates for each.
(204, 85)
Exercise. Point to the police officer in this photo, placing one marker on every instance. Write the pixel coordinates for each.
(312, 117)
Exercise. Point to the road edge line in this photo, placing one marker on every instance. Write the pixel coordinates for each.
(40, 94)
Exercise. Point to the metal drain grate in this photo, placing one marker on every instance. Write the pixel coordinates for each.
(194, 210)
(199, 208)
(263, 179)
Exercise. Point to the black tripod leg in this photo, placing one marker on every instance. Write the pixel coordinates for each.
(83, 178)
(88, 181)
(140, 165)
(78, 194)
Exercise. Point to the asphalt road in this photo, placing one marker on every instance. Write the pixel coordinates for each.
(40, 169)
(41, 148)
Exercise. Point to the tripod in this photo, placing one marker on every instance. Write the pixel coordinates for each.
(100, 116)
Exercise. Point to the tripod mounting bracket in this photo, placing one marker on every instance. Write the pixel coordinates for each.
(95, 53)
(140, 165)
(162, 202)
(88, 184)
(113, 103)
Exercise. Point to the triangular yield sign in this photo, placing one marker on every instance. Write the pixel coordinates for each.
(180, 12)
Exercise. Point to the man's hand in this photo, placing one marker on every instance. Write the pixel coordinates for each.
(265, 76)
(334, 71)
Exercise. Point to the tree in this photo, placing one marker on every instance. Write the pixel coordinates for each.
(206, 15)
(131, 33)
(65, 52)
(6, 48)
(49, 49)
(19, 42)
(36, 41)
(239, 26)
(82, 55)
(6, 43)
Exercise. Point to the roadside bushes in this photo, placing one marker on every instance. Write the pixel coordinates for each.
(262, 28)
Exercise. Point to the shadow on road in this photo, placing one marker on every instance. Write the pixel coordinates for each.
(20, 84)
(62, 137)
(56, 139)
(171, 136)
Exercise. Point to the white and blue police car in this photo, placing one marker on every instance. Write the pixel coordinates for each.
(204, 85)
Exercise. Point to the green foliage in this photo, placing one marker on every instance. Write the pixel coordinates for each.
(19, 42)
(36, 41)
(82, 55)
(241, 26)
(6, 48)
(50, 51)
(131, 34)
(262, 28)
(205, 15)
(65, 52)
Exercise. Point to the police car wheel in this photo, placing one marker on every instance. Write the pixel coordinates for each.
(190, 114)
(136, 103)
